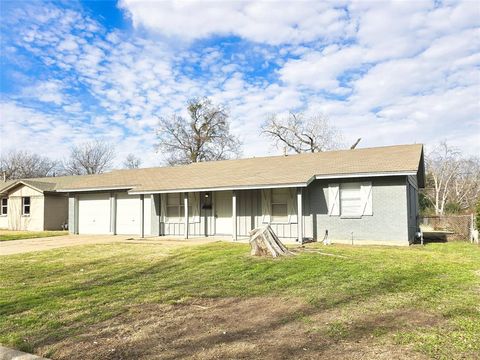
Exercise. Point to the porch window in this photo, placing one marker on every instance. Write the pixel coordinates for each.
(351, 199)
(175, 207)
(26, 205)
(279, 205)
(4, 206)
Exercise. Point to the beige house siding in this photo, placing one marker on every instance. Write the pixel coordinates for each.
(56, 212)
(3, 221)
(32, 222)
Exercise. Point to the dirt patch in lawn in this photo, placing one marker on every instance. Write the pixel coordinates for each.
(267, 328)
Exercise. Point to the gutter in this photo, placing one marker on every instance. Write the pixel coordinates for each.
(244, 187)
(95, 189)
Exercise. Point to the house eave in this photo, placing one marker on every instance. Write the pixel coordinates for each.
(220, 188)
(107, 188)
(359, 175)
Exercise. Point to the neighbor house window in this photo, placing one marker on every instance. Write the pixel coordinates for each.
(350, 199)
(280, 205)
(26, 205)
(4, 206)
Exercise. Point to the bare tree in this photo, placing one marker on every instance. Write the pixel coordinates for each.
(204, 136)
(466, 184)
(300, 133)
(451, 178)
(94, 157)
(23, 164)
(132, 162)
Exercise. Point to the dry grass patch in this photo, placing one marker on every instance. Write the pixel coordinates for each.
(265, 327)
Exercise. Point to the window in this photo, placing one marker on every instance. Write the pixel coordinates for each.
(4, 206)
(26, 205)
(175, 207)
(351, 199)
(279, 205)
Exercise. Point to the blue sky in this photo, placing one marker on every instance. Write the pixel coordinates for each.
(389, 72)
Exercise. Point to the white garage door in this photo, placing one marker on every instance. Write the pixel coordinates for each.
(128, 214)
(94, 214)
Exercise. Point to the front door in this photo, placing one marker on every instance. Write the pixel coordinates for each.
(207, 208)
(223, 213)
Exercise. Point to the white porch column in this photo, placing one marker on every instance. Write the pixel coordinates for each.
(234, 215)
(299, 215)
(113, 213)
(142, 215)
(185, 205)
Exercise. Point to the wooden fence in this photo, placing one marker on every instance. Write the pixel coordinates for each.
(458, 227)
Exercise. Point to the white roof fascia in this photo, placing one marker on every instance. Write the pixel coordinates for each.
(247, 187)
(96, 189)
(357, 175)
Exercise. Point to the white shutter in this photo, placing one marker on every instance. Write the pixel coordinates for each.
(266, 205)
(195, 204)
(366, 193)
(163, 207)
(333, 199)
(292, 205)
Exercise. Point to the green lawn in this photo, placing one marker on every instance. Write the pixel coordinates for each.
(7, 235)
(49, 296)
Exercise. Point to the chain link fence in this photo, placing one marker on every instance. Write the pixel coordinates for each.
(450, 227)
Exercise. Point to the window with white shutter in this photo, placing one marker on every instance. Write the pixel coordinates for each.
(351, 200)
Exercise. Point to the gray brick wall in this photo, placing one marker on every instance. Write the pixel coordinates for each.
(388, 224)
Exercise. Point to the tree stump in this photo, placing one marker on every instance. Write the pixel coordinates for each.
(264, 242)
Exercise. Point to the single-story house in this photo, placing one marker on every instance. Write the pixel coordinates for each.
(360, 196)
(34, 204)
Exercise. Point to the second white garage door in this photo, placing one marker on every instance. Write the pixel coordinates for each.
(128, 214)
(94, 214)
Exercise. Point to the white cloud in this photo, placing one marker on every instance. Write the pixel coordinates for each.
(320, 70)
(389, 73)
(267, 22)
(47, 91)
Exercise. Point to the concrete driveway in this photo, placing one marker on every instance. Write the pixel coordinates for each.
(40, 244)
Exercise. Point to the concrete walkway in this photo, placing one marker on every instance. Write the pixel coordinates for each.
(40, 244)
(11, 354)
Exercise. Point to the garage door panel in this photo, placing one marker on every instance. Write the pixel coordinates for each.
(128, 214)
(94, 214)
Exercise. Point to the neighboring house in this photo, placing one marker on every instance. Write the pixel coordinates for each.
(34, 204)
(361, 196)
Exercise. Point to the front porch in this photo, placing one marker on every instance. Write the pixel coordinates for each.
(230, 213)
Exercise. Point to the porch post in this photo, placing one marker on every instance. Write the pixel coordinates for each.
(185, 205)
(113, 213)
(299, 216)
(234, 215)
(142, 215)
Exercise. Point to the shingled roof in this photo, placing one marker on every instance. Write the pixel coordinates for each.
(291, 170)
(44, 184)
